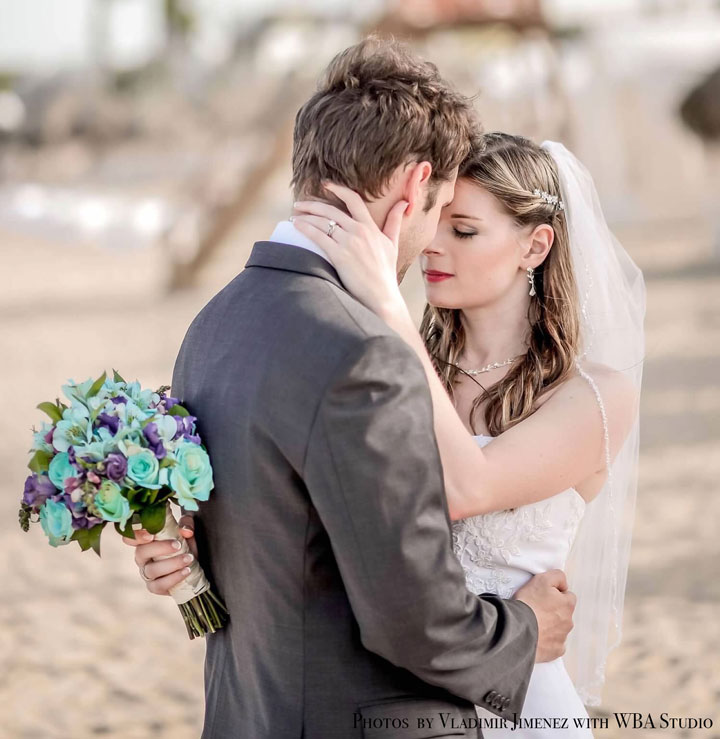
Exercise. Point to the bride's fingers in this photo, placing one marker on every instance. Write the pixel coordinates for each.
(162, 585)
(340, 235)
(328, 213)
(145, 552)
(393, 222)
(355, 204)
(162, 567)
(320, 237)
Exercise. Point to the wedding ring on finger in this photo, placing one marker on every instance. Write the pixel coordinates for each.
(142, 572)
(332, 225)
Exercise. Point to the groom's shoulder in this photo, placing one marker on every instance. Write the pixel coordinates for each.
(337, 316)
(293, 304)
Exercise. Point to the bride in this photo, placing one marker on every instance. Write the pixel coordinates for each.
(532, 342)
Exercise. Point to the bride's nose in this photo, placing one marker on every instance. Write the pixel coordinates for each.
(434, 248)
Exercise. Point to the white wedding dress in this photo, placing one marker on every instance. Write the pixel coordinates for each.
(500, 552)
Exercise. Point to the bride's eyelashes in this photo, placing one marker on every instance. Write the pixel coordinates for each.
(463, 234)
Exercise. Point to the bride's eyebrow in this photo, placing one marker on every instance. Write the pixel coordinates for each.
(470, 218)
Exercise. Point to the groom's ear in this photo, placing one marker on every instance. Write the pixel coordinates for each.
(417, 179)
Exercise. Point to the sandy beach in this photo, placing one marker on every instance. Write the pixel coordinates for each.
(88, 652)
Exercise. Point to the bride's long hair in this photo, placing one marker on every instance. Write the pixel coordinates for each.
(511, 168)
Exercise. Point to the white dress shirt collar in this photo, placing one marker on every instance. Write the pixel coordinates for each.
(286, 233)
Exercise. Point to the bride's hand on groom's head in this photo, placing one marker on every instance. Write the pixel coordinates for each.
(161, 575)
(553, 605)
(365, 257)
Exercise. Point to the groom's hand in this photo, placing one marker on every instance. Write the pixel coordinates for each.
(165, 573)
(553, 604)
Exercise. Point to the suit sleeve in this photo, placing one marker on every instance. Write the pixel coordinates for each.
(374, 474)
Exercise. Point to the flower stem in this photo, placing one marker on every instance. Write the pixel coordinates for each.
(204, 614)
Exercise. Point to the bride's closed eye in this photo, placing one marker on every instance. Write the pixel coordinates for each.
(464, 234)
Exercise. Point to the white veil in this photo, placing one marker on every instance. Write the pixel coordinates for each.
(612, 299)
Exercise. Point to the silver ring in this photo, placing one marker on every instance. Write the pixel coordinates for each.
(331, 228)
(142, 572)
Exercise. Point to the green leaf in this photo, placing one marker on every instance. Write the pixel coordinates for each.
(127, 531)
(95, 388)
(82, 537)
(40, 461)
(89, 538)
(117, 377)
(52, 410)
(153, 518)
(178, 410)
(166, 495)
(94, 537)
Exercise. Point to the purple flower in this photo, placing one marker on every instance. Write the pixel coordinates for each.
(186, 428)
(71, 454)
(168, 400)
(116, 467)
(118, 399)
(83, 520)
(38, 489)
(49, 436)
(112, 423)
(154, 441)
(166, 403)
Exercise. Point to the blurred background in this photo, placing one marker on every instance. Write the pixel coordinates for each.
(144, 147)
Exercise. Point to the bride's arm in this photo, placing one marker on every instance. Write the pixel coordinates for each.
(559, 445)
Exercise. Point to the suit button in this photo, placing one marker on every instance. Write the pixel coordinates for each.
(491, 696)
(505, 704)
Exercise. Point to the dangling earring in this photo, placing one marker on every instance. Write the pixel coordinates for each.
(531, 280)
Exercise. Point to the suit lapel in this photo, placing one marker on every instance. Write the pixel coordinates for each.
(273, 255)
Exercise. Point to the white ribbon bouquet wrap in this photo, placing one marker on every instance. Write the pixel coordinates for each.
(120, 454)
(195, 583)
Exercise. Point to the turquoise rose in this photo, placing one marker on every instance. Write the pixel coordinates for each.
(191, 478)
(56, 522)
(143, 469)
(112, 504)
(60, 469)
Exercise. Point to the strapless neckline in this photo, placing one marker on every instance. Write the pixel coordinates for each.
(488, 436)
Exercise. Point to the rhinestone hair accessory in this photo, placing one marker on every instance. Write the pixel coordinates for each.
(549, 198)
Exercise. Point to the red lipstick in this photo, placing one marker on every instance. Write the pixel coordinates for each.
(432, 275)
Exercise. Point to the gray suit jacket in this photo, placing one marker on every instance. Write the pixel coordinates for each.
(328, 534)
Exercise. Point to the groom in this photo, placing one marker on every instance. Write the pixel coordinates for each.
(328, 533)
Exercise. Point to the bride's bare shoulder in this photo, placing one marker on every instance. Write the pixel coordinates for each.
(617, 391)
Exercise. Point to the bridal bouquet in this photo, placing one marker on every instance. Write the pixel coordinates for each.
(119, 454)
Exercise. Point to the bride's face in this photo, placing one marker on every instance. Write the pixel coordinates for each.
(478, 254)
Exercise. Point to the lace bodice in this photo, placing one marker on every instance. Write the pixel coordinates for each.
(502, 550)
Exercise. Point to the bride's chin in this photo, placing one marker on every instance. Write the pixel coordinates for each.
(447, 304)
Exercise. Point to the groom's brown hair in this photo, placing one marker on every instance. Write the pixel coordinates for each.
(377, 107)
